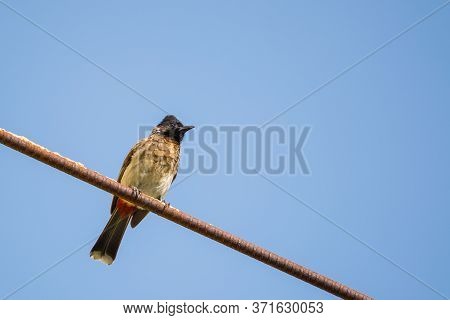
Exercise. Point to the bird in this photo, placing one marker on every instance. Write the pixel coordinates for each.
(150, 167)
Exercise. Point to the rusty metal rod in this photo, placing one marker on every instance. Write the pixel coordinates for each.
(94, 178)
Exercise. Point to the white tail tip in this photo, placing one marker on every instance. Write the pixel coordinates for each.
(97, 255)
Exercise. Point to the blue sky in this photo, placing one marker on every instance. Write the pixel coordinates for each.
(377, 150)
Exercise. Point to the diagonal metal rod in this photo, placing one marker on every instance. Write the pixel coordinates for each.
(94, 178)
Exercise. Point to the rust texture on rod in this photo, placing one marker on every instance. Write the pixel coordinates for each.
(94, 178)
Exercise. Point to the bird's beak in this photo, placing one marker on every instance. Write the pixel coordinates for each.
(186, 128)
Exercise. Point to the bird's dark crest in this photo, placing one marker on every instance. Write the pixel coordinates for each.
(172, 128)
(170, 120)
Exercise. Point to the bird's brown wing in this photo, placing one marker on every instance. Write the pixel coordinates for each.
(138, 216)
(125, 164)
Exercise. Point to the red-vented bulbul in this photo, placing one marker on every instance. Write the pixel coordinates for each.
(151, 166)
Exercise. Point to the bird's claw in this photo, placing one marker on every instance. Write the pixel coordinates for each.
(136, 192)
(166, 205)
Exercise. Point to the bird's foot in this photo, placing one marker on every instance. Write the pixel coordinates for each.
(136, 192)
(166, 205)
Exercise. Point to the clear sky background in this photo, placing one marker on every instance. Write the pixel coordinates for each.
(378, 150)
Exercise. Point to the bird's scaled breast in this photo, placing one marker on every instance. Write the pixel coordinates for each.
(162, 156)
(153, 167)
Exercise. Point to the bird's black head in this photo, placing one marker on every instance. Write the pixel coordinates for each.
(171, 127)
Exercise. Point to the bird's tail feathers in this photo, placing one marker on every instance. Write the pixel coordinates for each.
(107, 245)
